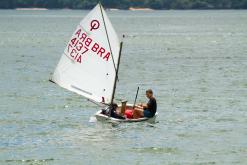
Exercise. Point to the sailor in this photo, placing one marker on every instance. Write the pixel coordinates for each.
(114, 113)
(146, 110)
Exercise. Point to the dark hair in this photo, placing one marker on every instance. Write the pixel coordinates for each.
(149, 91)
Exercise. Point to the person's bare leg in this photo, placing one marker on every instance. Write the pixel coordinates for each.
(118, 111)
(123, 108)
(137, 113)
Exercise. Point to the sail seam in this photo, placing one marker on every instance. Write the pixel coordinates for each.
(72, 86)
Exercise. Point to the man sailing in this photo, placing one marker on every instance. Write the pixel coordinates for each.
(146, 110)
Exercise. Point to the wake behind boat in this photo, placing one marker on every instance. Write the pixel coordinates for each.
(90, 62)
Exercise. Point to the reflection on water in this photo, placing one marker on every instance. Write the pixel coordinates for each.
(195, 61)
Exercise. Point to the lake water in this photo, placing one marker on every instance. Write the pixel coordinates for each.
(195, 61)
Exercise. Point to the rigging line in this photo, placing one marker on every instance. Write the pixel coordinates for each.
(115, 81)
(108, 38)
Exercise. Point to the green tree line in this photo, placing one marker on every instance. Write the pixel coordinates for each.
(125, 4)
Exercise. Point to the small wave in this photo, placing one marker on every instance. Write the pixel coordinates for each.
(156, 150)
(30, 160)
(226, 120)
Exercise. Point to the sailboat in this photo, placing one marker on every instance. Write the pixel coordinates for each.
(90, 62)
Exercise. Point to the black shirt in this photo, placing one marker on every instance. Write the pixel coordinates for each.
(152, 106)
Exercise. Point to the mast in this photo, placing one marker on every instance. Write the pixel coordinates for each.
(116, 77)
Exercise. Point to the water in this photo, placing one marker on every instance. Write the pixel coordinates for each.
(195, 61)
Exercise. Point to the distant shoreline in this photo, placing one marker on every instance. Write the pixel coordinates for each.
(31, 8)
(126, 4)
(110, 9)
(140, 9)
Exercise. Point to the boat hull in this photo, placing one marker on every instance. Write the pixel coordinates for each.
(104, 118)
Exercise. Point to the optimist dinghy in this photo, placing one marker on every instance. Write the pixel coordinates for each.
(90, 62)
(105, 118)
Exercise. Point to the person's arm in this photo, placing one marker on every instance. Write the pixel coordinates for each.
(141, 105)
(138, 105)
(144, 105)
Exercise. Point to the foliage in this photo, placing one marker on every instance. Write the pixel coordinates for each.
(125, 4)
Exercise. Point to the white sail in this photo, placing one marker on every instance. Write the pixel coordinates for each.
(87, 65)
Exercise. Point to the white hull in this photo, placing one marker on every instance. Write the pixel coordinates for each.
(104, 118)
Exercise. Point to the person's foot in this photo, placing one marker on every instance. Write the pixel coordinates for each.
(124, 101)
